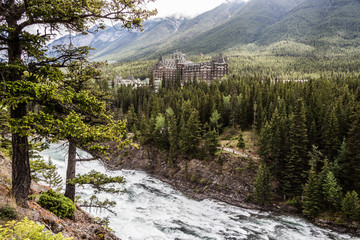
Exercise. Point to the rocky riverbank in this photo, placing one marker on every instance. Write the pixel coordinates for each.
(81, 226)
(228, 178)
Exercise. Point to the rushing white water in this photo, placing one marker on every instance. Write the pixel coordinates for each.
(151, 209)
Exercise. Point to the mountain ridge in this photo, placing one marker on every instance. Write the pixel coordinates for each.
(295, 27)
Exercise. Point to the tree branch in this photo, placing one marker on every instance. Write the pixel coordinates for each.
(2, 38)
(70, 21)
(96, 206)
(87, 159)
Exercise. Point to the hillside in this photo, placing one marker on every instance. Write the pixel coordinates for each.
(243, 28)
(113, 39)
(81, 226)
(320, 24)
(279, 27)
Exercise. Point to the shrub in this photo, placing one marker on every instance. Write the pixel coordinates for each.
(228, 137)
(58, 204)
(8, 213)
(295, 202)
(27, 229)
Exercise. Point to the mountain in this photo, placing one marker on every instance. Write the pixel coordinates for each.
(318, 22)
(287, 27)
(153, 39)
(114, 38)
(242, 28)
(159, 35)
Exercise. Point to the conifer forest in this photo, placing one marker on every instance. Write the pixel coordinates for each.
(257, 109)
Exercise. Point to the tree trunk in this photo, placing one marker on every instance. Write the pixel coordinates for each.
(21, 179)
(71, 170)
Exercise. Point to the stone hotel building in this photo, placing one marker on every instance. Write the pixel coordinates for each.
(204, 71)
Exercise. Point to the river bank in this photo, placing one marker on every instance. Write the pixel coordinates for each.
(81, 226)
(227, 178)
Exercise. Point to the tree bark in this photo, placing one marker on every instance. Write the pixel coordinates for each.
(21, 179)
(71, 170)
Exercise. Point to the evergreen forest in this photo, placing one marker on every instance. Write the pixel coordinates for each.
(307, 132)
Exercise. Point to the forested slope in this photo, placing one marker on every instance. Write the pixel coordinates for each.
(308, 131)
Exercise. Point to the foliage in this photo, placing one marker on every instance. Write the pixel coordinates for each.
(32, 86)
(351, 166)
(312, 188)
(295, 202)
(350, 206)
(94, 202)
(29, 230)
(262, 185)
(98, 181)
(46, 172)
(298, 144)
(211, 142)
(241, 143)
(8, 213)
(4, 122)
(291, 116)
(190, 134)
(56, 203)
(332, 192)
(214, 119)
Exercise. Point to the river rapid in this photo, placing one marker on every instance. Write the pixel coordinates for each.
(152, 209)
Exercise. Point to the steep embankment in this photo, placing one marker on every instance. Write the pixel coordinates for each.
(228, 178)
(82, 226)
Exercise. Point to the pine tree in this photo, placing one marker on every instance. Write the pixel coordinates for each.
(278, 145)
(164, 82)
(293, 178)
(296, 166)
(298, 132)
(132, 118)
(331, 192)
(330, 134)
(177, 84)
(211, 142)
(152, 81)
(339, 161)
(160, 132)
(311, 193)
(83, 121)
(262, 186)
(46, 172)
(264, 142)
(190, 134)
(316, 157)
(351, 167)
(241, 143)
(173, 135)
(35, 80)
(350, 206)
(214, 120)
(182, 135)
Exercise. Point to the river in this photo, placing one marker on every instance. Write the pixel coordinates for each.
(151, 209)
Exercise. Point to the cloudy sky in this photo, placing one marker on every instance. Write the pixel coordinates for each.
(189, 8)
